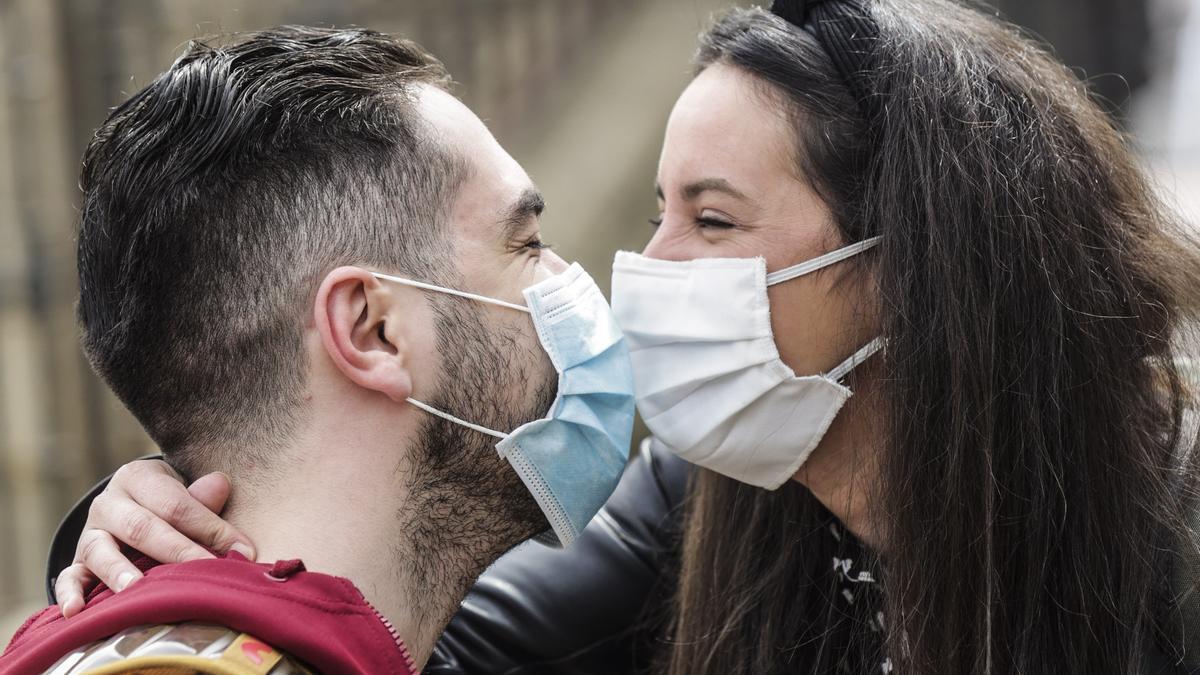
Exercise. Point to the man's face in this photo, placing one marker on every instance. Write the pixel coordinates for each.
(494, 219)
(493, 370)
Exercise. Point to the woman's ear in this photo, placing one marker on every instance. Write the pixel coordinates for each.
(360, 326)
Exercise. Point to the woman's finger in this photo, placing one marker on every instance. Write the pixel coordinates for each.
(127, 521)
(194, 517)
(157, 489)
(71, 589)
(212, 490)
(100, 554)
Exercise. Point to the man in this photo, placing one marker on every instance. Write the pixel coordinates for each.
(265, 231)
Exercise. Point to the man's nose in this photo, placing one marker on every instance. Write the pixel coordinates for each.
(553, 263)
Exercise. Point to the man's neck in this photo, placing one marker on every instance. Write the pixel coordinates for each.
(413, 557)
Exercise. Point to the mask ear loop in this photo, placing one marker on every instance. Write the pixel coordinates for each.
(462, 294)
(451, 418)
(810, 266)
(855, 359)
(820, 262)
(450, 291)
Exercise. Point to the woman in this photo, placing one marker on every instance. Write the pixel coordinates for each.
(1009, 486)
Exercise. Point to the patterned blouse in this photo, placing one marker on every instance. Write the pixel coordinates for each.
(861, 600)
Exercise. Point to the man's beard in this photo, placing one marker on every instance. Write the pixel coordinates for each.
(466, 504)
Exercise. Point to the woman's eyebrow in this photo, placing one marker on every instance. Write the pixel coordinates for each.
(694, 189)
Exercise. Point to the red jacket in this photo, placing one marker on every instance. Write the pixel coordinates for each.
(322, 620)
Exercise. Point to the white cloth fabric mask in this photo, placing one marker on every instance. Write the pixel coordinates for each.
(708, 379)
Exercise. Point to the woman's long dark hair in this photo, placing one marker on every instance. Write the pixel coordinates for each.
(1036, 297)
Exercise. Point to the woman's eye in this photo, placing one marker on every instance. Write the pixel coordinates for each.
(715, 223)
(702, 221)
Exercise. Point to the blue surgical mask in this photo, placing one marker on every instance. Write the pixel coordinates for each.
(571, 459)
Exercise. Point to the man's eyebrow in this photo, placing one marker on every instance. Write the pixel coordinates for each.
(694, 189)
(529, 205)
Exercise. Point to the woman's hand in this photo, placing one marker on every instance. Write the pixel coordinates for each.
(147, 507)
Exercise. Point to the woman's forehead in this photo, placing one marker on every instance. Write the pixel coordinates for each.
(725, 125)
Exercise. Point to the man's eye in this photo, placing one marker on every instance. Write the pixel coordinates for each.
(536, 244)
(532, 245)
(655, 222)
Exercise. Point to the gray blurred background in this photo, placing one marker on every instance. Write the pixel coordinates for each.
(577, 90)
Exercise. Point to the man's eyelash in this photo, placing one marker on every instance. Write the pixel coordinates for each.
(531, 245)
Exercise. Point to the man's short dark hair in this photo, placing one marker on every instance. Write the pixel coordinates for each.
(217, 197)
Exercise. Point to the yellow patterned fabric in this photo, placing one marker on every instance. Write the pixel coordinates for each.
(178, 649)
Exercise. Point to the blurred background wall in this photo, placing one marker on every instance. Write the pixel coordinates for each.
(577, 90)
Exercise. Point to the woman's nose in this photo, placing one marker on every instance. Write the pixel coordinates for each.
(668, 244)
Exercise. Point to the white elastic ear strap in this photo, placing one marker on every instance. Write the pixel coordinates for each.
(462, 294)
(810, 266)
(858, 357)
(451, 418)
(450, 291)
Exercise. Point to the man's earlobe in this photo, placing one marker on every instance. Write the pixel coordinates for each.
(362, 332)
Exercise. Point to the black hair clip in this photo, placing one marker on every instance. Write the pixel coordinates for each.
(794, 12)
(847, 32)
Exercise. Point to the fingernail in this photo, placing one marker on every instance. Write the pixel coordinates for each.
(124, 580)
(244, 549)
(71, 607)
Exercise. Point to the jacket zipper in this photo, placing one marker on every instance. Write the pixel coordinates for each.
(408, 659)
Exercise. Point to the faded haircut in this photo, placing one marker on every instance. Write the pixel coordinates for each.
(217, 197)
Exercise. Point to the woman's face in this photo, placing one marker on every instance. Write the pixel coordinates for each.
(729, 186)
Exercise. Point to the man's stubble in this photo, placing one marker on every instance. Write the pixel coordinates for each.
(467, 505)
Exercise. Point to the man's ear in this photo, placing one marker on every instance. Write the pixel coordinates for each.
(359, 322)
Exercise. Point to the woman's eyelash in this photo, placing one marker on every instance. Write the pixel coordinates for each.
(705, 222)
(715, 223)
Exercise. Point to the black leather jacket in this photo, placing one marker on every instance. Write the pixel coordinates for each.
(596, 607)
